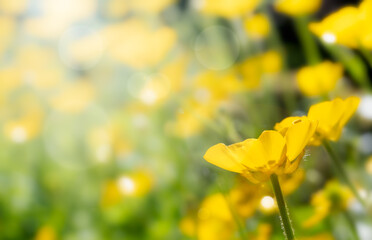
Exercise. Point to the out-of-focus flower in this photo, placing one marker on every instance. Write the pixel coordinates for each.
(245, 197)
(332, 117)
(141, 46)
(175, 71)
(297, 7)
(271, 62)
(188, 226)
(7, 29)
(291, 182)
(321, 236)
(136, 184)
(272, 152)
(154, 6)
(111, 194)
(214, 219)
(334, 197)
(23, 129)
(264, 231)
(116, 8)
(319, 79)
(226, 8)
(212, 86)
(340, 27)
(46, 233)
(57, 16)
(100, 143)
(257, 26)
(368, 165)
(73, 97)
(364, 28)
(10, 79)
(14, 7)
(254, 68)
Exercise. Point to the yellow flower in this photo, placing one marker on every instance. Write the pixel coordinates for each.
(214, 219)
(334, 197)
(188, 226)
(73, 97)
(321, 236)
(341, 27)
(319, 79)
(7, 30)
(332, 117)
(14, 7)
(46, 233)
(264, 231)
(257, 26)
(272, 152)
(226, 8)
(141, 46)
(271, 62)
(297, 7)
(111, 194)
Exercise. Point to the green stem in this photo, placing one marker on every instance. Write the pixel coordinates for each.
(284, 214)
(351, 223)
(341, 172)
(366, 54)
(307, 40)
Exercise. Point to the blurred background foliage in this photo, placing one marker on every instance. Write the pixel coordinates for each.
(107, 107)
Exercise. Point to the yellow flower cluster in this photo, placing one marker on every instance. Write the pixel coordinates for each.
(297, 7)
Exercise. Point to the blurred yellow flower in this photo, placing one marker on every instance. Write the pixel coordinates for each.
(332, 117)
(14, 7)
(245, 197)
(140, 46)
(110, 194)
(321, 236)
(340, 27)
(264, 231)
(188, 226)
(297, 7)
(319, 79)
(272, 152)
(257, 26)
(226, 8)
(7, 30)
(334, 197)
(136, 184)
(271, 62)
(254, 68)
(368, 165)
(46, 233)
(214, 219)
(73, 97)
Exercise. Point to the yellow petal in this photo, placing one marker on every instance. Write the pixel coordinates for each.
(298, 136)
(228, 157)
(273, 143)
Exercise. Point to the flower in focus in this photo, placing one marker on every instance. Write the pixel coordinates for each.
(340, 27)
(226, 8)
(332, 117)
(297, 7)
(46, 233)
(319, 79)
(334, 197)
(272, 152)
(257, 26)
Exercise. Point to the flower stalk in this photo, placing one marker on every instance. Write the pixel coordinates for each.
(284, 214)
(341, 172)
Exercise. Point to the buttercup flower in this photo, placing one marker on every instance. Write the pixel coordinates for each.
(257, 26)
(297, 7)
(334, 197)
(332, 117)
(340, 27)
(272, 152)
(319, 79)
(226, 8)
